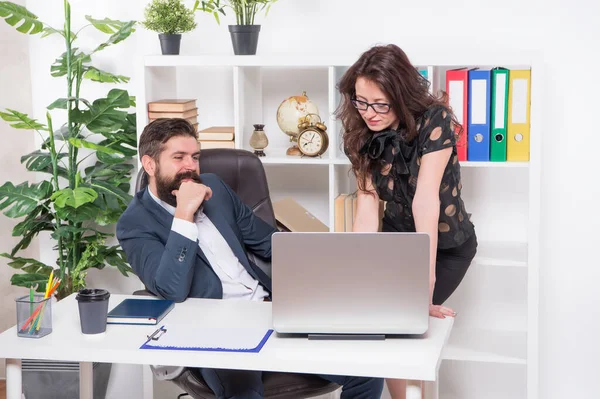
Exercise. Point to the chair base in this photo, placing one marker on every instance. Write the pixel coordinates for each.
(277, 385)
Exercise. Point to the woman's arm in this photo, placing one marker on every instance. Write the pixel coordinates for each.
(426, 211)
(367, 209)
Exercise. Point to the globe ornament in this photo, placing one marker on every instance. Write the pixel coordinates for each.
(292, 112)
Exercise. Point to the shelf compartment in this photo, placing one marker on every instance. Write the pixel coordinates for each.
(492, 253)
(343, 160)
(478, 345)
(277, 156)
(309, 186)
(471, 380)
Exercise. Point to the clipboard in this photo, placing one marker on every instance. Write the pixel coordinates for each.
(249, 340)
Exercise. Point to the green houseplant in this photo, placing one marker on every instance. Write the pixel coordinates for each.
(244, 34)
(170, 18)
(76, 201)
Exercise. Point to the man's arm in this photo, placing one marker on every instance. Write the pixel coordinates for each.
(166, 270)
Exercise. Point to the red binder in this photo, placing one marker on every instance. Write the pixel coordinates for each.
(457, 87)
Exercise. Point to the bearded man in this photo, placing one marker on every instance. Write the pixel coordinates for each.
(186, 236)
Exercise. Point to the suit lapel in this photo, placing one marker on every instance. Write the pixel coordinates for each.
(161, 214)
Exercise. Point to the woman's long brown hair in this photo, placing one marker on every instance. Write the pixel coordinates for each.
(408, 92)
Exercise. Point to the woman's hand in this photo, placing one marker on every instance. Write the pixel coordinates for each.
(441, 311)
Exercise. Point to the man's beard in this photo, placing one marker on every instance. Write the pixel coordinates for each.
(165, 186)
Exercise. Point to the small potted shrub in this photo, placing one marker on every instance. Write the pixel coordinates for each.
(170, 18)
(244, 34)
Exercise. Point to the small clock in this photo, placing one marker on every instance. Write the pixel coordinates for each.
(312, 139)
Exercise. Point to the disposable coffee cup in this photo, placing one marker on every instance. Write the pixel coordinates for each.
(93, 310)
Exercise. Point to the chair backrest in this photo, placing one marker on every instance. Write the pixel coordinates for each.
(239, 169)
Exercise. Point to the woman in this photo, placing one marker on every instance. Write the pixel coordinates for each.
(401, 142)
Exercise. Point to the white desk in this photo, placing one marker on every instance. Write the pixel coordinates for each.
(408, 358)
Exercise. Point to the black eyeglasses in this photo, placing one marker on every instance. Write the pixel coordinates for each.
(380, 108)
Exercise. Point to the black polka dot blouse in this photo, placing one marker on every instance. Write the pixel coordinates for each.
(395, 176)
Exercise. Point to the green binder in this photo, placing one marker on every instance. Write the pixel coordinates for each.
(499, 114)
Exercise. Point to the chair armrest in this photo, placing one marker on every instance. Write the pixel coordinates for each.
(143, 293)
(262, 264)
(167, 373)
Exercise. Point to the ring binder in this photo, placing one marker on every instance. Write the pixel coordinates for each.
(160, 331)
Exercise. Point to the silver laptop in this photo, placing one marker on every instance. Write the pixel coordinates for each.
(350, 283)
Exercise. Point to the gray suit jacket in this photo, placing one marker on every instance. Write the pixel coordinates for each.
(172, 266)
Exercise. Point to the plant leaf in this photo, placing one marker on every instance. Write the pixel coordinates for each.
(36, 272)
(14, 13)
(97, 75)
(84, 213)
(51, 31)
(66, 230)
(35, 222)
(110, 173)
(19, 263)
(111, 159)
(36, 280)
(38, 161)
(104, 116)
(121, 144)
(73, 197)
(80, 143)
(23, 199)
(59, 68)
(107, 189)
(62, 134)
(123, 33)
(19, 120)
(105, 25)
(114, 256)
(61, 103)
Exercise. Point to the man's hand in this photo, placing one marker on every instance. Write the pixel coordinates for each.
(189, 198)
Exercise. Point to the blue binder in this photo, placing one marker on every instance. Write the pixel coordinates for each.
(208, 339)
(479, 115)
(140, 311)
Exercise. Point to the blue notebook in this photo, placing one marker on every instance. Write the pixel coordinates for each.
(140, 311)
(214, 339)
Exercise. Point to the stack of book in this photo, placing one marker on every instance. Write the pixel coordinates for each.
(345, 212)
(174, 108)
(216, 137)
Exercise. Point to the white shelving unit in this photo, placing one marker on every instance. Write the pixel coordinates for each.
(493, 350)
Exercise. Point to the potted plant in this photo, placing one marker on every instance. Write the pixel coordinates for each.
(76, 204)
(244, 34)
(170, 18)
(75, 201)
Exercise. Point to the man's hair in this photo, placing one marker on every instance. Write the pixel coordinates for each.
(161, 130)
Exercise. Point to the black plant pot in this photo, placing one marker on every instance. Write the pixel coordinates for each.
(170, 43)
(244, 38)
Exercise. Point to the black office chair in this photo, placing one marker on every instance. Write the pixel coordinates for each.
(244, 173)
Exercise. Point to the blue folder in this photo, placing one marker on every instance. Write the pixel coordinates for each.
(479, 115)
(140, 311)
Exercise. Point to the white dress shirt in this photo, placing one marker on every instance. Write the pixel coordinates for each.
(237, 282)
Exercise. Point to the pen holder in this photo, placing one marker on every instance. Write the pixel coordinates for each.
(34, 318)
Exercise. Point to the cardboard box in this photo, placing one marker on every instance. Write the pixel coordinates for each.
(291, 216)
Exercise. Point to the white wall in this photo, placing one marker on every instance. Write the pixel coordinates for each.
(15, 93)
(565, 33)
